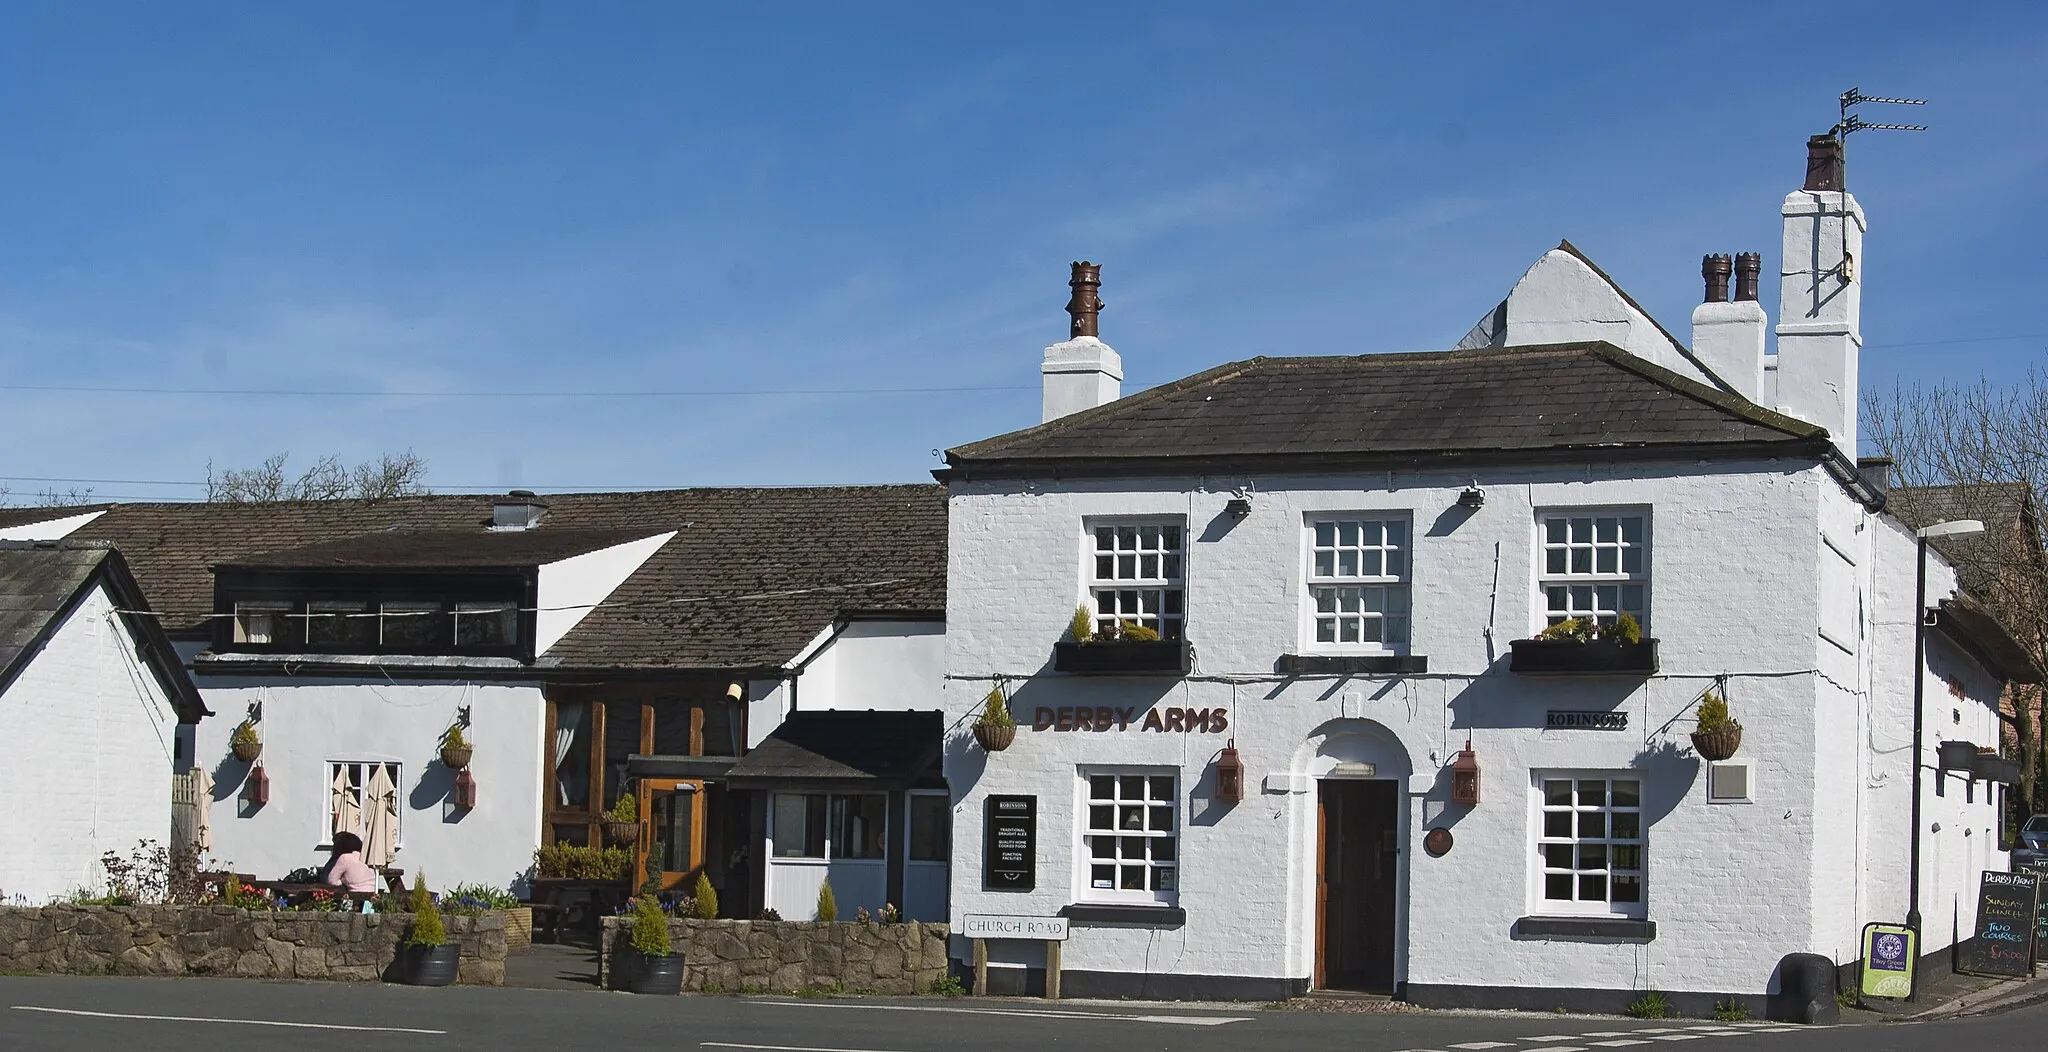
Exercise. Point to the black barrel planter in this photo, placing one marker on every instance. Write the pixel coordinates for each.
(1570, 657)
(429, 965)
(654, 975)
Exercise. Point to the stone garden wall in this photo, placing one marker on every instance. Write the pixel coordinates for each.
(219, 940)
(735, 956)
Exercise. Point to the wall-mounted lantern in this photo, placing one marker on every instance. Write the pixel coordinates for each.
(1237, 507)
(465, 790)
(1229, 776)
(1465, 777)
(1473, 498)
(256, 787)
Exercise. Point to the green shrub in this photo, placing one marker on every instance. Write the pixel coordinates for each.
(1083, 624)
(948, 986)
(245, 734)
(1577, 629)
(577, 862)
(1849, 998)
(650, 927)
(1623, 629)
(453, 738)
(1137, 633)
(995, 710)
(828, 907)
(1713, 713)
(1731, 1010)
(704, 899)
(1651, 1005)
(626, 809)
(426, 929)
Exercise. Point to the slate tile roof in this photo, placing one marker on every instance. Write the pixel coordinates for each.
(39, 582)
(402, 549)
(1587, 397)
(751, 576)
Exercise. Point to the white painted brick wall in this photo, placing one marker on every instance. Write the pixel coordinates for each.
(86, 741)
(1734, 560)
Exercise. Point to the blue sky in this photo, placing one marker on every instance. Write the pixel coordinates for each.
(544, 197)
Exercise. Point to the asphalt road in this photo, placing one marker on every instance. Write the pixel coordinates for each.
(52, 1013)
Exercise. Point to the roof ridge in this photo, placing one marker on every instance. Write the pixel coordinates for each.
(1727, 402)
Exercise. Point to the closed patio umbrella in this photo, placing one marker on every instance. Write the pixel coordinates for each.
(380, 831)
(347, 806)
(202, 822)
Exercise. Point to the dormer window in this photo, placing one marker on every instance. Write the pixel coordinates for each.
(339, 624)
(486, 624)
(477, 617)
(408, 625)
(264, 623)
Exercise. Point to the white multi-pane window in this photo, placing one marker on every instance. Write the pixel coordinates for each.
(1358, 582)
(1595, 565)
(1589, 848)
(352, 787)
(1131, 837)
(1135, 575)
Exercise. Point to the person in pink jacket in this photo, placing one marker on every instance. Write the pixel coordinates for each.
(346, 868)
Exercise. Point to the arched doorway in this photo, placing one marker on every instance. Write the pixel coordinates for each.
(1360, 772)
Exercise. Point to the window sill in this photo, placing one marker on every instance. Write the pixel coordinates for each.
(1105, 914)
(1351, 664)
(1167, 657)
(1586, 928)
(1565, 657)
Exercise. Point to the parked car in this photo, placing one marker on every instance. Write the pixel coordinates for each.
(2033, 842)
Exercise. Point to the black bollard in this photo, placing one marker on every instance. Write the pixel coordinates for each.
(1806, 990)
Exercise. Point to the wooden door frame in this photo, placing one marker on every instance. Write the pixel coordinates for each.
(644, 793)
(1322, 884)
(1397, 877)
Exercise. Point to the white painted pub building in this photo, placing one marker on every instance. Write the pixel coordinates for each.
(1347, 561)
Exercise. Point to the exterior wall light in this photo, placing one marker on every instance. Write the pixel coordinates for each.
(256, 787)
(1465, 777)
(465, 790)
(1238, 507)
(1473, 498)
(1229, 776)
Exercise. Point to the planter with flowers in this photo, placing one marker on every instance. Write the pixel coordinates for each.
(427, 957)
(995, 728)
(455, 748)
(622, 822)
(1119, 647)
(650, 965)
(1718, 734)
(244, 743)
(1579, 646)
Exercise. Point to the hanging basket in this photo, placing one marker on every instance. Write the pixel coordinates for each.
(456, 758)
(247, 752)
(622, 834)
(995, 737)
(1717, 745)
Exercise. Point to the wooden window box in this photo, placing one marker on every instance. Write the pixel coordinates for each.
(1167, 657)
(1569, 657)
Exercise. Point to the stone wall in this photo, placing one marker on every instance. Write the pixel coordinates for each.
(734, 956)
(218, 940)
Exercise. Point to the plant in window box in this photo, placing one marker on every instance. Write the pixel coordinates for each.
(622, 822)
(1718, 734)
(244, 743)
(995, 728)
(1120, 646)
(652, 967)
(427, 958)
(455, 748)
(1583, 645)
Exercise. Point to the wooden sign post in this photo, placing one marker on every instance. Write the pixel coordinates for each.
(981, 927)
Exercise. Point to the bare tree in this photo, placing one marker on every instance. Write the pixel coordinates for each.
(391, 475)
(1986, 448)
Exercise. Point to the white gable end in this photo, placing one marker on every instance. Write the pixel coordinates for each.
(1563, 300)
(48, 529)
(571, 587)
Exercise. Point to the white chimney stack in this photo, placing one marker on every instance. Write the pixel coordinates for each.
(1729, 337)
(1083, 372)
(1820, 298)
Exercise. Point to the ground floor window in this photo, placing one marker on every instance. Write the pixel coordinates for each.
(831, 825)
(1131, 836)
(362, 798)
(1589, 844)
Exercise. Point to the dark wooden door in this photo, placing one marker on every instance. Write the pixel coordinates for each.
(1358, 866)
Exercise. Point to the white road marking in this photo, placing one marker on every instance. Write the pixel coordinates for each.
(1678, 1037)
(1618, 1044)
(1606, 1033)
(1177, 1020)
(786, 1048)
(237, 1022)
(1657, 1030)
(1482, 1044)
(1554, 1037)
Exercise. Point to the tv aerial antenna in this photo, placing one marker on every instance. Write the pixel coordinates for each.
(1848, 124)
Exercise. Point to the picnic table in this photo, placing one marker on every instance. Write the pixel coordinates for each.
(578, 904)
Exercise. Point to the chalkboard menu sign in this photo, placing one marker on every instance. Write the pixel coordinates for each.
(1010, 843)
(2039, 870)
(2007, 907)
